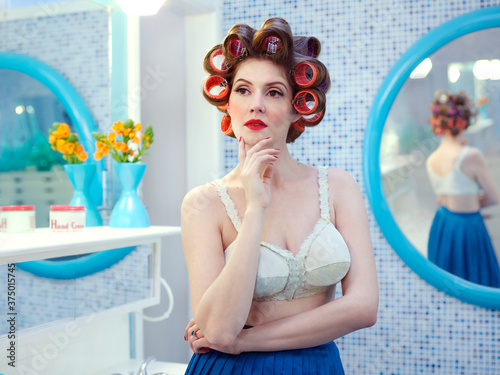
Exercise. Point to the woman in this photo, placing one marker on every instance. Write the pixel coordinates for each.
(267, 243)
(458, 241)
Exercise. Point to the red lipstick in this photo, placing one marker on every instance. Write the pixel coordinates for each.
(255, 124)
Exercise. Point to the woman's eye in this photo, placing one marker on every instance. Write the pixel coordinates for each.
(242, 90)
(275, 93)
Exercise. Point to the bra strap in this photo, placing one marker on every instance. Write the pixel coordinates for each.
(323, 192)
(228, 203)
(461, 157)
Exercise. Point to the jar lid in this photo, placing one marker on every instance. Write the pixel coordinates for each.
(18, 208)
(66, 208)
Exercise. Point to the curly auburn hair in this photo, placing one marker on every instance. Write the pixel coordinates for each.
(451, 112)
(297, 55)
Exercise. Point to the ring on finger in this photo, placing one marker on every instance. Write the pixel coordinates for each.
(193, 333)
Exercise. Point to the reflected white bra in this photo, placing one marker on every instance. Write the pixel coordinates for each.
(454, 182)
(322, 261)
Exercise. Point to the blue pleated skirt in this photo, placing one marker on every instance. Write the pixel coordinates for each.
(319, 360)
(460, 244)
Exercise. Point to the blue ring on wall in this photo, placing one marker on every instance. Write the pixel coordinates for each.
(444, 281)
(84, 123)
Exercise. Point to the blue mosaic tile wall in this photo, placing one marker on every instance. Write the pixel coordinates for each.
(76, 45)
(419, 330)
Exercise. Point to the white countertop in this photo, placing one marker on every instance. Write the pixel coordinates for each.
(43, 243)
(132, 367)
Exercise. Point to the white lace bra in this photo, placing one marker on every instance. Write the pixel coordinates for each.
(322, 261)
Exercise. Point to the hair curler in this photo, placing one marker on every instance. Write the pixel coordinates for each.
(302, 102)
(216, 81)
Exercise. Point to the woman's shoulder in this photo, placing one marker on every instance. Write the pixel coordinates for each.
(341, 178)
(203, 198)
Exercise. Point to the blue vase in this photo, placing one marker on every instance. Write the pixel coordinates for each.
(129, 212)
(81, 175)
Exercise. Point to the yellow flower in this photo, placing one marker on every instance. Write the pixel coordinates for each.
(137, 127)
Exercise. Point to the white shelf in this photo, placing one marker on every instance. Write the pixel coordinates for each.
(43, 243)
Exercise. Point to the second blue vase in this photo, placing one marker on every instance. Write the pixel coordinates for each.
(81, 175)
(129, 212)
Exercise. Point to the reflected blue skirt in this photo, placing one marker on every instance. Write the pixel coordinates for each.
(460, 244)
(319, 360)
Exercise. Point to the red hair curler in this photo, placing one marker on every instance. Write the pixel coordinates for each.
(303, 71)
(298, 126)
(216, 81)
(226, 126)
(237, 48)
(221, 68)
(312, 120)
(272, 44)
(302, 102)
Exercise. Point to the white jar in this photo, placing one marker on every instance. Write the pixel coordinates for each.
(65, 218)
(17, 219)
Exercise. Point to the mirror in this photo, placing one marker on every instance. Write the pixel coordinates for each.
(30, 171)
(398, 140)
(81, 118)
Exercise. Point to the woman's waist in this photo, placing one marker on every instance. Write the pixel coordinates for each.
(460, 203)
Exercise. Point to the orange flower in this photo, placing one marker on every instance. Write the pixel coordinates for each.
(137, 127)
(120, 146)
(82, 156)
(62, 131)
(112, 138)
(137, 140)
(69, 148)
(60, 145)
(52, 139)
(118, 127)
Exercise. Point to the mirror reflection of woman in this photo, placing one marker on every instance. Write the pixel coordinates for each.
(459, 241)
(266, 244)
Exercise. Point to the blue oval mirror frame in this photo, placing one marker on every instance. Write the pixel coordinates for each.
(459, 288)
(84, 124)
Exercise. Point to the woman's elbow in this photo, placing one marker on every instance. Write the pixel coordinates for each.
(220, 338)
(366, 313)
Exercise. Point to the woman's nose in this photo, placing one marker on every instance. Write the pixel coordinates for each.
(257, 104)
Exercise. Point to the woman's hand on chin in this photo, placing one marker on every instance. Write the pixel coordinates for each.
(256, 172)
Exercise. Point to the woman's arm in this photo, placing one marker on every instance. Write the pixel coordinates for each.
(356, 309)
(221, 294)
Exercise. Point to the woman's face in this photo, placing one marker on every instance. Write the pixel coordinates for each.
(260, 104)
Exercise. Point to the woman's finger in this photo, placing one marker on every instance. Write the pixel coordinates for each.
(201, 346)
(241, 151)
(187, 329)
